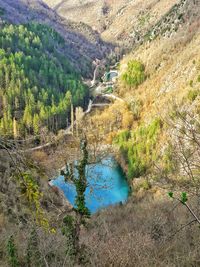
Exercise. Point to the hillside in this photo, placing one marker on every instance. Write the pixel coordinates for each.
(157, 132)
(124, 22)
(161, 73)
(129, 23)
(37, 83)
(43, 61)
(152, 129)
(81, 41)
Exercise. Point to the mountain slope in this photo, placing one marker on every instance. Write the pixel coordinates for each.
(158, 77)
(83, 43)
(127, 22)
(42, 60)
(155, 130)
(37, 82)
(116, 20)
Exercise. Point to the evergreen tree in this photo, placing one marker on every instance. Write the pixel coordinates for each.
(36, 124)
(72, 226)
(35, 79)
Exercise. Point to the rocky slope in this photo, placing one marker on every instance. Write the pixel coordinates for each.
(127, 22)
(171, 58)
(117, 20)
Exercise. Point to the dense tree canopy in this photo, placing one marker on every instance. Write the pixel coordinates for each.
(37, 83)
(134, 75)
(139, 147)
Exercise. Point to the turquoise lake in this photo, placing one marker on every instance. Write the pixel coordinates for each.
(107, 185)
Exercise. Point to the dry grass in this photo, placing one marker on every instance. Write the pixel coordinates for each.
(171, 65)
(142, 234)
(122, 18)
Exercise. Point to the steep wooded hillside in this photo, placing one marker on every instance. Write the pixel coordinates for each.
(83, 44)
(38, 84)
(154, 128)
(43, 60)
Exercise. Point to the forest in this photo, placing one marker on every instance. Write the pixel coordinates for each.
(37, 82)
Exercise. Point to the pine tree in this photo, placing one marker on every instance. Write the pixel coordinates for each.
(73, 226)
(36, 124)
(28, 120)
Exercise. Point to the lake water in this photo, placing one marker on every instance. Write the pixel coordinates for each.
(107, 185)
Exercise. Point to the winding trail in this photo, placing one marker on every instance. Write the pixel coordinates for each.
(97, 93)
(114, 97)
(93, 82)
(59, 5)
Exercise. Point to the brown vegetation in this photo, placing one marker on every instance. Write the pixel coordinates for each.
(143, 234)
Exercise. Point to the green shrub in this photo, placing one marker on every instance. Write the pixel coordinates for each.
(168, 160)
(136, 107)
(138, 148)
(108, 90)
(12, 253)
(134, 75)
(191, 83)
(192, 95)
(122, 137)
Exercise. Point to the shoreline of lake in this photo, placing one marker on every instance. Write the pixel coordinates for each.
(105, 192)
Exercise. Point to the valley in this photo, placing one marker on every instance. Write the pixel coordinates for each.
(99, 133)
